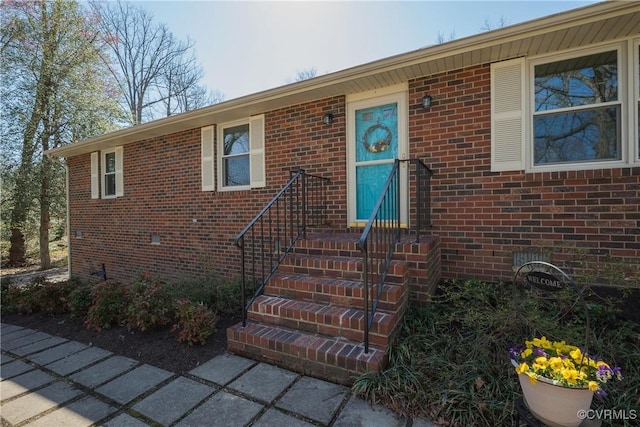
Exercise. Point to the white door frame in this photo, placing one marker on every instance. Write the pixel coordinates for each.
(394, 94)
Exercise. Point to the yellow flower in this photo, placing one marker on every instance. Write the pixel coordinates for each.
(523, 367)
(542, 362)
(527, 352)
(556, 363)
(593, 386)
(533, 378)
(570, 375)
(576, 354)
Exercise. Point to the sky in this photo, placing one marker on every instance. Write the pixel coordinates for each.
(250, 46)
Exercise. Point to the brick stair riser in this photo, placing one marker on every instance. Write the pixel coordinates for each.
(325, 358)
(342, 267)
(333, 291)
(329, 321)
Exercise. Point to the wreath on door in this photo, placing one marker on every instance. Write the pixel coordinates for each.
(377, 138)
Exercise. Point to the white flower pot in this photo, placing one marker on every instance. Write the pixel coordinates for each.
(555, 405)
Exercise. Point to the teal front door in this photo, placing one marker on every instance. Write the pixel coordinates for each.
(377, 139)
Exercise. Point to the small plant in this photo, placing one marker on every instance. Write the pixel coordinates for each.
(80, 298)
(149, 305)
(110, 302)
(194, 321)
(563, 364)
(53, 297)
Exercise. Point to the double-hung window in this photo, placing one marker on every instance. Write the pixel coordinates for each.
(571, 111)
(106, 174)
(577, 110)
(240, 155)
(235, 156)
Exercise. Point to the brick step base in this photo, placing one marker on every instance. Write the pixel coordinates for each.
(329, 320)
(334, 359)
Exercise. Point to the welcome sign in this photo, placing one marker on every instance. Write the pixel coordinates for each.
(544, 276)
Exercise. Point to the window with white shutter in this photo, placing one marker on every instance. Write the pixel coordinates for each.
(95, 175)
(241, 157)
(112, 182)
(207, 158)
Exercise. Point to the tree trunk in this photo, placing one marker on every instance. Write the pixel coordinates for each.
(17, 251)
(24, 186)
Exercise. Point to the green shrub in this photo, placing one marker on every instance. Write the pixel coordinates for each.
(53, 297)
(149, 305)
(80, 298)
(222, 296)
(194, 321)
(110, 303)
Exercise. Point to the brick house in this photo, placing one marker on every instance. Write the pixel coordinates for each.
(531, 133)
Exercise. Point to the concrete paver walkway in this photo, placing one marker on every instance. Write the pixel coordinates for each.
(50, 381)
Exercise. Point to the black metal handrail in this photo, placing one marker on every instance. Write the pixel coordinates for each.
(271, 235)
(382, 232)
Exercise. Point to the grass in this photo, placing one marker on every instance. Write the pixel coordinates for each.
(450, 360)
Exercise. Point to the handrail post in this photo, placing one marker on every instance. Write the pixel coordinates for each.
(398, 216)
(304, 206)
(365, 282)
(242, 284)
(418, 202)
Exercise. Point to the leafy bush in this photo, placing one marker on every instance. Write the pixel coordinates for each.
(449, 361)
(222, 296)
(110, 303)
(194, 321)
(149, 305)
(52, 297)
(80, 298)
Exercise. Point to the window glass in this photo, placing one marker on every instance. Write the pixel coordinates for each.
(578, 81)
(110, 174)
(570, 122)
(235, 162)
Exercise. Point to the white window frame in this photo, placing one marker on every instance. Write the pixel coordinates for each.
(118, 175)
(623, 85)
(512, 136)
(256, 153)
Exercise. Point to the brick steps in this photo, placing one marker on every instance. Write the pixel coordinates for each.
(311, 316)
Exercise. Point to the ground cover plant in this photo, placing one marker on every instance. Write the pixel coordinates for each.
(450, 360)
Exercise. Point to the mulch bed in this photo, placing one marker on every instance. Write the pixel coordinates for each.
(158, 347)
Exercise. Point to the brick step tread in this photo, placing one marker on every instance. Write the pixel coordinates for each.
(330, 290)
(337, 266)
(329, 320)
(345, 244)
(331, 358)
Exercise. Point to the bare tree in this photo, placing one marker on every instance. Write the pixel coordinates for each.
(156, 73)
(181, 89)
(309, 73)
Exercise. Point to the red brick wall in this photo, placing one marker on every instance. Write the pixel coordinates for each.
(162, 195)
(482, 217)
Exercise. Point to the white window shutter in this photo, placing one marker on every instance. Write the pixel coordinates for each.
(507, 115)
(119, 172)
(256, 151)
(207, 158)
(95, 175)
